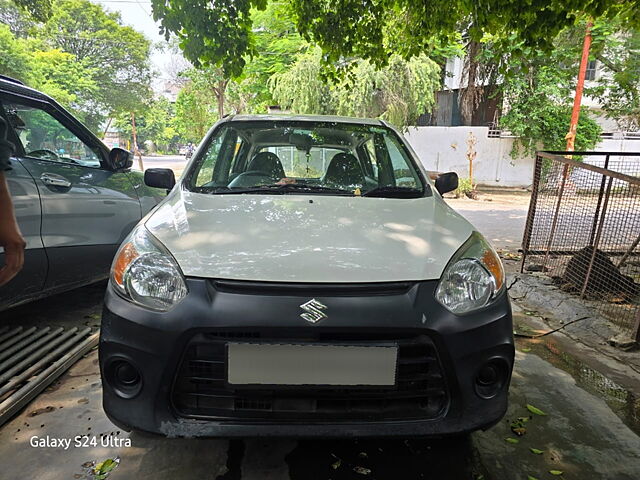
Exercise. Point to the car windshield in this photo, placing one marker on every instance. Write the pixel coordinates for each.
(325, 158)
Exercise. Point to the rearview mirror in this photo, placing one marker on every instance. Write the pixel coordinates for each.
(447, 182)
(159, 178)
(120, 159)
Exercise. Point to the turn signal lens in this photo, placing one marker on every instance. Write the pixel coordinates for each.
(126, 255)
(492, 263)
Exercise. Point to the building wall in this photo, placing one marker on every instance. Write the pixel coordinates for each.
(445, 149)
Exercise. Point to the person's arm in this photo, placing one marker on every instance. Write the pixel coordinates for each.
(10, 237)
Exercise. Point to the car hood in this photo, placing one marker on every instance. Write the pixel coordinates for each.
(303, 238)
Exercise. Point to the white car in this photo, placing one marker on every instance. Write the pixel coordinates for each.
(305, 278)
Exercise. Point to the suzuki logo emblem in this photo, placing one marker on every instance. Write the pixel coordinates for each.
(313, 311)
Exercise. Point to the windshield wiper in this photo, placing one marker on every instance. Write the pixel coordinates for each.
(290, 188)
(394, 192)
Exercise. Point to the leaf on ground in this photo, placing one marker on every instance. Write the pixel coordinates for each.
(517, 426)
(536, 451)
(335, 465)
(529, 477)
(525, 350)
(535, 410)
(555, 472)
(102, 469)
(511, 440)
(362, 470)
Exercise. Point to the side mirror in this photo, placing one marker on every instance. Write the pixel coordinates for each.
(159, 178)
(447, 182)
(120, 159)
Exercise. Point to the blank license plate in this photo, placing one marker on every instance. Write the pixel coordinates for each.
(266, 364)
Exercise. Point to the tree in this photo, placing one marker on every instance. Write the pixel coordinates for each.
(277, 45)
(154, 123)
(618, 90)
(15, 58)
(540, 111)
(398, 93)
(40, 10)
(300, 88)
(221, 33)
(117, 54)
(66, 79)
(195, 113)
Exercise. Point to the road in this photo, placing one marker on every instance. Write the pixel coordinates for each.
(587, 432)
(174, 162)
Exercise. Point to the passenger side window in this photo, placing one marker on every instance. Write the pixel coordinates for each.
(404, 174)
(44, 137)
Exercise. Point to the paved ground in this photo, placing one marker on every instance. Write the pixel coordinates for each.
(585, 434)
(590, 429)
(174, 162)
(499, 217)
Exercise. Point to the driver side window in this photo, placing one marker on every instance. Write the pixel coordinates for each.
(45, 138)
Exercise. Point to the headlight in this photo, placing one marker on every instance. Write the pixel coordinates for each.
(145, 273)
(473, 278)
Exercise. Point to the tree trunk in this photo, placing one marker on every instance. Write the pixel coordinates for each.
(134, 134)
(106, 129)
(471, 95)
(222, 86)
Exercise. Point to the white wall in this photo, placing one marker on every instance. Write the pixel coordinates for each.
(444, 149)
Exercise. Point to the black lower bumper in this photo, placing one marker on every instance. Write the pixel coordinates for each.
(180, 388)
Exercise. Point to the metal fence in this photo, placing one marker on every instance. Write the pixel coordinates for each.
(583, 230)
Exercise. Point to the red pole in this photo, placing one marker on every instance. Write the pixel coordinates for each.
(577, 101)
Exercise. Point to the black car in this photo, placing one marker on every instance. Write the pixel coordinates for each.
(75, 199)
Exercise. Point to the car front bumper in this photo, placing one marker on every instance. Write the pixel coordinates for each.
(162, 347)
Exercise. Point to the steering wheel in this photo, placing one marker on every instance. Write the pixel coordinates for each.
(252, 178)
(47, 153)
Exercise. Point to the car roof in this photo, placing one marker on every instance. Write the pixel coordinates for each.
(7, 84)
(304, 118)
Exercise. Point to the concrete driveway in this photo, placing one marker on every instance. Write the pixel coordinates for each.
(589, 431)
(500, 217)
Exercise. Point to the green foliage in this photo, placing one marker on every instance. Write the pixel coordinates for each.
(82, 56)
(540, 113)
(15, 60)
(117, 54)
(277, 46)
(38, 9)
(195, 113)
(155, 123)
(465, 186)
(221, 33)
(618, 90)
(301, 89)
(399, 92)
(215, 34)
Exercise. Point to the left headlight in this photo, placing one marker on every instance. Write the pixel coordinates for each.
(473, 278)
(144, 272)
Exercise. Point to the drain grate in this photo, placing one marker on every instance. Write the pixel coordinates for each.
(32, 358)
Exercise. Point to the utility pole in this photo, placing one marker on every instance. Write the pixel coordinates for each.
(577, 101)
(134, 134)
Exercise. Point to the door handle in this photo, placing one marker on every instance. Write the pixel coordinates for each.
(55, 180)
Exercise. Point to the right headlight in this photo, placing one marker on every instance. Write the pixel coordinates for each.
(144, 272)
(473, 278)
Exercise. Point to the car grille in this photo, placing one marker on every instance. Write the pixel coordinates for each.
(200, 389)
